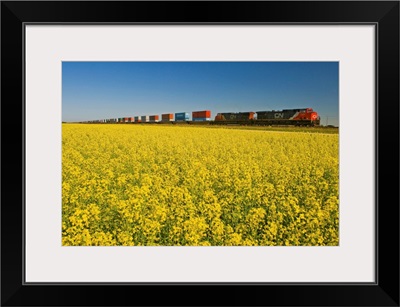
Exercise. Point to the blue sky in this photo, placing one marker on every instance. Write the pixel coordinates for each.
(100, 90)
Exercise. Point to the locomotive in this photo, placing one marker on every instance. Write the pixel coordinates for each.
(235, 116)
(296, 117)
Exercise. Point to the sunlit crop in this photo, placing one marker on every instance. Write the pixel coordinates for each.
(170, 185)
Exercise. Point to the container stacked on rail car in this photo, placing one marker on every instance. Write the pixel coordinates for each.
(182, 116)
(200, 116)
(128, 120)
(144, 118)
(154, 118)
(169, 117)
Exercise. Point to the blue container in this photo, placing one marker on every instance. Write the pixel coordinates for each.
(181, 116)
(201, 119)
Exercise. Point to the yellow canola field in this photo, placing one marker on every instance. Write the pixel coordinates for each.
(179, 186)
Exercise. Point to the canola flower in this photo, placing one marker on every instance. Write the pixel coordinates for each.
(158, 185)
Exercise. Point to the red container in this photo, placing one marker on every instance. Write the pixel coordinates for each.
(201, 114)
(153, 117)
(167, 117)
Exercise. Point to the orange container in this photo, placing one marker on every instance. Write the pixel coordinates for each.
(201, 114)
(167, 117)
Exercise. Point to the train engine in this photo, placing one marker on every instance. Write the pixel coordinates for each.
(235, 117)
(296, 117)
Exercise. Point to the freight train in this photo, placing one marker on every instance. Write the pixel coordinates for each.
(285, 117)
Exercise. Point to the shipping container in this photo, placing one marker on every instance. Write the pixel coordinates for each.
(154, 118)
(183, 116)
(137, 119)
(167, 117)
(201, 119)
(144, 118)
(201, 114)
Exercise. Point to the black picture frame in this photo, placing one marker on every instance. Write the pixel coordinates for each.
(383, 14)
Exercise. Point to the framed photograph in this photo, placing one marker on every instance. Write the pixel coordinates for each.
(239, 154)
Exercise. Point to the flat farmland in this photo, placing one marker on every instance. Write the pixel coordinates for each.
(162, 185)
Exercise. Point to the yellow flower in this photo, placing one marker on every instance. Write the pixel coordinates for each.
(175, 185)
